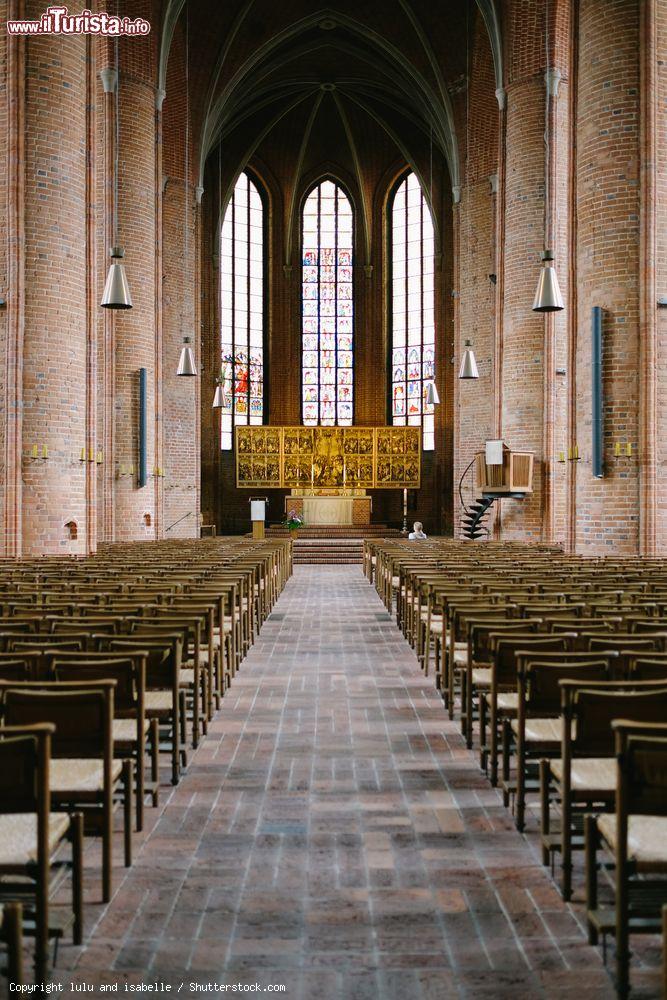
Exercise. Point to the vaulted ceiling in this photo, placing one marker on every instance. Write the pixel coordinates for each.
(334, 74)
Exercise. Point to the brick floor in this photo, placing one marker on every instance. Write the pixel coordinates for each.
(334, 835)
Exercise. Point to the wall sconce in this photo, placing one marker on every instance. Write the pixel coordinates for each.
(573, 454)
(72, 530)
(37, 452)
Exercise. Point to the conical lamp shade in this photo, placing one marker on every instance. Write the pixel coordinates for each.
(468, 367)
(116, 290)
(432, 397)
(186, 362)
(548, 297)
(218, 397)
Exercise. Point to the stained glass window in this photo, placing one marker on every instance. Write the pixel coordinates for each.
(412, 309)
(242, 310)
(327, 373)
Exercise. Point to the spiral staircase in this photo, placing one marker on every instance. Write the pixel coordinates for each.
(513, 479)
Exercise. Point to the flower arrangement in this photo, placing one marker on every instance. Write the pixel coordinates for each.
(292, 521)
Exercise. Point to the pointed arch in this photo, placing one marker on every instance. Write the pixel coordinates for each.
(242, 307)
(327, 305)
(412, 306)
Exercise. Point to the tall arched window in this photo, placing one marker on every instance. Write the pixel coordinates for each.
(327, 373)
(242, 310)
(412, 308)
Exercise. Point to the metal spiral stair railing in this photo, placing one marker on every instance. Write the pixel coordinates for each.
(474, 513)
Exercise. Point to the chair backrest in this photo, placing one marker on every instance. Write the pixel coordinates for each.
(163, 660)
(45, 642)
(16, 669)
(82, 715)
(648, 667)
(481, 629)
(97, 625)
(594, 708)
(642, 759)
(505, 650)
(24, 756)
(626, 643)
(541, 678)
(88, 666)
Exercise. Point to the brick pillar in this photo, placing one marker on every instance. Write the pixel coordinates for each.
(608, 268)
(658, 100)
(56, 307)
(12, 176)
(135, 329)
(522, 390)
(181, 418)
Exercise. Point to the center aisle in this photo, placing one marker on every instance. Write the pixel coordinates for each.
(334, 835)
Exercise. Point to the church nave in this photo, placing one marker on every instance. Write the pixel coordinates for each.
(333, 834)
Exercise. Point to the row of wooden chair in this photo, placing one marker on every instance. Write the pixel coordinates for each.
(106, 665)
(540, 654)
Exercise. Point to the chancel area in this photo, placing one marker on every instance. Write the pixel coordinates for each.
(333, 563)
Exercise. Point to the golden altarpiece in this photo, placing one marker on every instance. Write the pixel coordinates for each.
(329, 469)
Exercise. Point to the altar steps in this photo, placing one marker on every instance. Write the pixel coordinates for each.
(332, 544)
(334, 531)
(331, 551)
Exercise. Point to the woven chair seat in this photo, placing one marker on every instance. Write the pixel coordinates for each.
(395, 581)
(481, 676)
(125, 730)
(647, 840)
(186, 678)
(541, 730)
(18, 837)
(506, 701)
(595, 776)
(78, 774)
(158, 701)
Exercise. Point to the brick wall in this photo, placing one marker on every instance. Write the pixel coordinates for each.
(607, 267)
(69, 378)
(55, 314)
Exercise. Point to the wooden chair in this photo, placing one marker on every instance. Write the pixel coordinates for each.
(584, 774)
(83, 774)
(130, 725)
(31, 834)
(11, 934)
(506, 648)
(165, 699)
(636, 835)
(539, 699)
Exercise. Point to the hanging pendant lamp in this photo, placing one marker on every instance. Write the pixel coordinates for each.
(548, 297)
(468, 367)
(432, 397)
(218, 398)
(116, 290)
(186, 362)
(116, 293)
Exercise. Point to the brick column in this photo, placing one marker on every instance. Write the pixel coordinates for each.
(522, 389)
(12, 247)
(56, 309)
(135, 329)
(180, 408)
(658, 100)
(608, 268)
